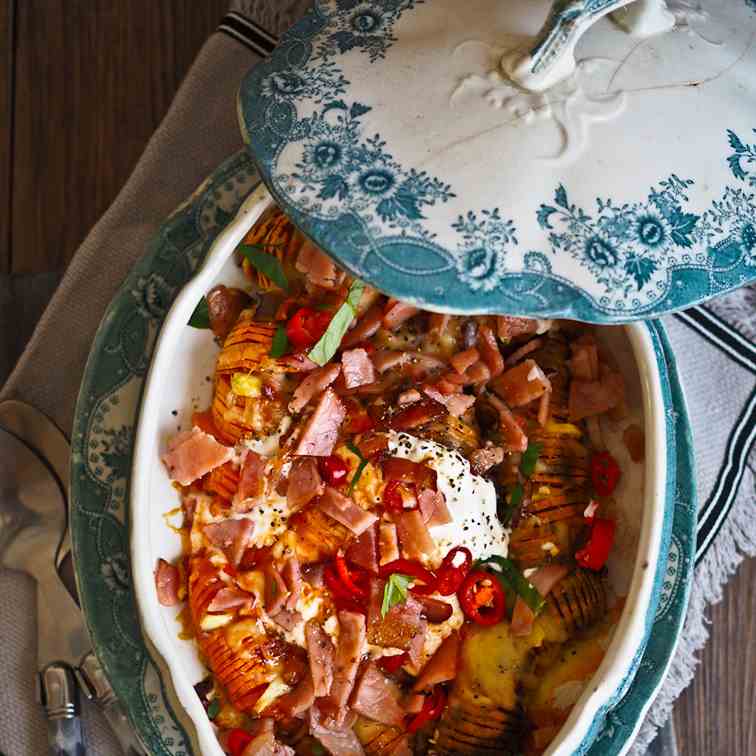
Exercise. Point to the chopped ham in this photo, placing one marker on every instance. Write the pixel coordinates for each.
(224, 305)
(376, 698)
(167, 581)
(437, 323)
(299, 362)
(297, 700)
(339, 740)
(395, 313)
(595, 397)
(385, 359)
(366, 327)
(456, 404)
(288, 619)
(524, 351)
(543, 581)
(322, 428)
(251, 481)
(292, 576)
(408, 397)
(317, 381)
(363, 551)
(522, 384)
(544, 408)
(194, 453)
(489, 350)
(388, 543)
(442, 666)
(482, 460)
(344, 510)
(265, 744)
(402, 624)
(317, 266)
(513, 435)
(228, 598)
(276, 592)
(321, 654)
(414, 535)
(305, 482)
(433, 508)
(478, 373)
(463, 360)
(509, 328)
(230, 535)
(357, 368)
(349, 652)
(584, 362)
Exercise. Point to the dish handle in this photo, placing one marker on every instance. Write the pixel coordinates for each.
(550, 57)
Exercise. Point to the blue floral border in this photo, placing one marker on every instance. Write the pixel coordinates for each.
(351, 195)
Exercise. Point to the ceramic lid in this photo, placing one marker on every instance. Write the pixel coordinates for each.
(529, 157)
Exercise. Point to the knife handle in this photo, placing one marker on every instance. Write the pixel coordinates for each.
(58, 695)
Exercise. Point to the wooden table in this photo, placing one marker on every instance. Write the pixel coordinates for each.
(84, 84)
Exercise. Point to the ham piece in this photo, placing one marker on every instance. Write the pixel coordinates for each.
(524, 351)
(414, 535)
(321, 654)
(366, 327)
(349, 652)
(305, 482)
(287, 619)
(402, 625)
(456, 404)
(317, 266)
(463, 360)
(322, 428)
(230, 535)
(396, 313)
(442, 666)
(297, 700)
(167, 582)
(589, 398)
(489, 350)
(251, 481)
(509, 328)
(363, 551)
(385, 359)
(276, 592)
(339, 740)
(228, 598)
(388, 543)
(433, 508)
(376, 698)
(345, 511)
(417, 414)
(224, 305)
(408, 397)
(315, 382)
(193, 454)
(264, 741)
(357, 368)
(584, 363)
(543, 581)
(522, 384)
(513, 435)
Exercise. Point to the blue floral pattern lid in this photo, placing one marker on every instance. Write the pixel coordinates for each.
(391, 136)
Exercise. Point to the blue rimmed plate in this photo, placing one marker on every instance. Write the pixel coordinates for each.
(388, 132)
(103, 441)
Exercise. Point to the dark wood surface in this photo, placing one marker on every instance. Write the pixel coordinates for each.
(84, 84)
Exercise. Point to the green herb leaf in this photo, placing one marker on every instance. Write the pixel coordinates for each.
(515, 499)
(317, 749)
(201, 315)
(511, 578)
(280, 342)
(529, 459)
(214, 708)
(265, 263)
(360, 468)
(395, 591)
(330, 341)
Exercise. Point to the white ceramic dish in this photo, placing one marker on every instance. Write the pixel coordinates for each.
(177, 384)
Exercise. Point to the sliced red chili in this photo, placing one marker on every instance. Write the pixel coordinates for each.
(347, 579)
(334, 470)
(393, 664)
(413, 569)
(306, 326)
(451, 575)
(605, 473)
(433, 707)
(237, 741)
(399, 497)
(595, 553)
(482, 598)
(341, 596)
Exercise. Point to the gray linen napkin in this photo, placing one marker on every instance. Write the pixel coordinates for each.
(201, 130)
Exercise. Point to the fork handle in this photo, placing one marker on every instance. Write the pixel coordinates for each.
(59, 697)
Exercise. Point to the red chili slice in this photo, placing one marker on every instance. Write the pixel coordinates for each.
(413, 569)
(347, 579)
(334, 470)
(595, 553)
(306, 326)
(399, 497)
(393, 664)
(237, 741)
(482, 598)
(433, 707)
(450, 575)
(605, 473)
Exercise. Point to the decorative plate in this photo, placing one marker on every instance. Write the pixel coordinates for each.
(102, 446)
(391, 135)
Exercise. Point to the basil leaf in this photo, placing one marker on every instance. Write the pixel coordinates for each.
(510, 577)
(330, 341)
(529, 459)
(395, 591)
(280, 342)
(360, 468)
(201, 315)
(265, 263)
(214, 708)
